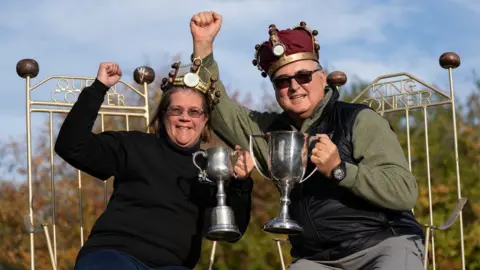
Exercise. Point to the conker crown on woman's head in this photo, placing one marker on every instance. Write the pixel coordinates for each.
(188, 76)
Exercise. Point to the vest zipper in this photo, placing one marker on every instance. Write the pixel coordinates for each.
(309, 222)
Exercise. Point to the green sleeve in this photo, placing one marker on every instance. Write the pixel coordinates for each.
(382, 176)
(234, 123)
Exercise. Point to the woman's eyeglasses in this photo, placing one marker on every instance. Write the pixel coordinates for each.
(177, 111)
(302, 77)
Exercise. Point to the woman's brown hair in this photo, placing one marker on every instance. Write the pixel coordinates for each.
(156, 124)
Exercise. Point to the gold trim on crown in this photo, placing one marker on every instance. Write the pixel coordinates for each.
(278, 49)
(191, 79)
(286, 59)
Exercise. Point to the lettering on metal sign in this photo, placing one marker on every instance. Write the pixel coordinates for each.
(67, 90)
(398, 94)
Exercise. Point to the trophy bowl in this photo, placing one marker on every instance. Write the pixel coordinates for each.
(287, 162)
(219, 171)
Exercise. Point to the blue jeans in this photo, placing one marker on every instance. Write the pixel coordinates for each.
(116, 260)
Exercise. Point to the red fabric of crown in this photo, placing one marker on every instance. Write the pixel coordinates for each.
(298, 44)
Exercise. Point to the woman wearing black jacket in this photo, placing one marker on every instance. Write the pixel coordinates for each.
(156, 215)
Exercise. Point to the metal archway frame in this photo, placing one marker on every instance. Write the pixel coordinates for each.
(62, 98)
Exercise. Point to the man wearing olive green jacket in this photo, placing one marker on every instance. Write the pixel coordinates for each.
(355, 210)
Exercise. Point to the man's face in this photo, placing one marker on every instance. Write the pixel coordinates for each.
(299, 87)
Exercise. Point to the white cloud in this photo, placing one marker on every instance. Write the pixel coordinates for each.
(402, 60)
(472, 5)
(166, 24)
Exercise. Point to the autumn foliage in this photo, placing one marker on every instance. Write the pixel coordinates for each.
(257, 249)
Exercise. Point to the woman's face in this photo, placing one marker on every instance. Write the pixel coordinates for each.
(185, 118)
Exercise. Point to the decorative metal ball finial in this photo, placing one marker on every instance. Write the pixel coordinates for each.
(143, 75)
(27, 68)
(336, 78)
(449, 60)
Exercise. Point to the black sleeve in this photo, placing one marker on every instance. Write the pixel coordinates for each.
(100, 155)
(239, 197)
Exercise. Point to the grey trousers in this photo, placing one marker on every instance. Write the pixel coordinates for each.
(396, 253)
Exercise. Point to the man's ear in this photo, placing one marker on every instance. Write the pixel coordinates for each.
(323, 76)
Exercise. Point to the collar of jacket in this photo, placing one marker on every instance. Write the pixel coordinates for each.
(330, 95)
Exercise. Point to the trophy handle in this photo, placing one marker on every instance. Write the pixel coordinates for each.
(232, 154)
(250, 146)
(202, 175)
(304, 179)
(310, 140)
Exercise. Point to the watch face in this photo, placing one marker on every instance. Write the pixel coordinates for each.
(338, 174)
(191, 79)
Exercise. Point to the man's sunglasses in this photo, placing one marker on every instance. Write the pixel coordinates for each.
(301, 77)
(177, 111)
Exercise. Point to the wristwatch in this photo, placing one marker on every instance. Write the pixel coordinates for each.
(339, 172)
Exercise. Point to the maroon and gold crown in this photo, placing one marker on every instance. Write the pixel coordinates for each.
(190, 78)
(285, 47)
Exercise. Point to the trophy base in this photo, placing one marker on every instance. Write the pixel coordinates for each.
(223, 233)
(282, 226)
(223, 227)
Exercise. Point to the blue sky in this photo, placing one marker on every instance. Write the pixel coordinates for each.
(365, 38)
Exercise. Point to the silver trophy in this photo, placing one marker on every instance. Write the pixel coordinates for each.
(287, 163)
(218, 171)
